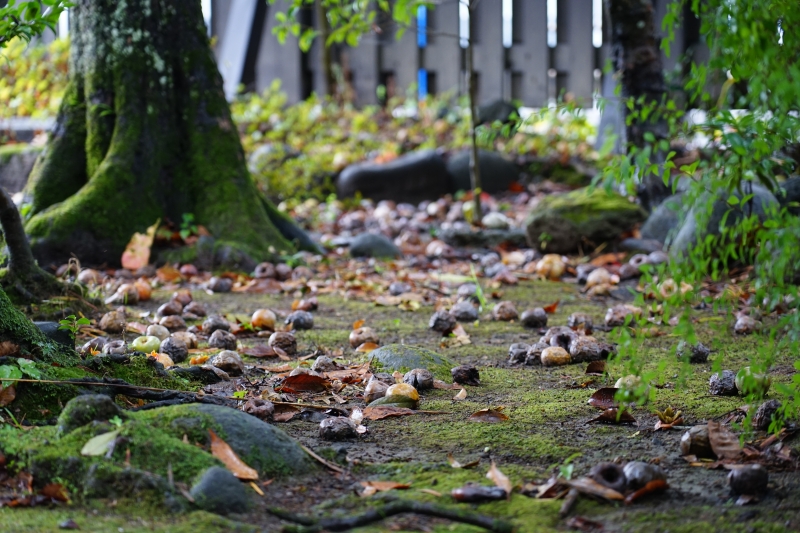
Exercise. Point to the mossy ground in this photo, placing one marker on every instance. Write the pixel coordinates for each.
(548, 423)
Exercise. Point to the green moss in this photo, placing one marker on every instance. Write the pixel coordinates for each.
(7, 151)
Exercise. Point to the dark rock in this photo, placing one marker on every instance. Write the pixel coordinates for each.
(790, 195)
(215, 322)
(563, 223)
(723, 384)
(51, 331)
(176, 349)
(749, 479)
(86, 408)
(696, 353)
(218, 491)
(224, 340)
(641, 245)
(497, 172)
(419, 378)
(534, 318)
(442, 322)
(663, 221)
(337, 428)
(609, 475)
(373, 245)
(765, 413)
(689, 232)
(195, 308)
(229, 362)
(261, 409)
(402, 358)
(466, 375)
(638, 474)
(169, 308)
(220, 284)
(410, 178)
(300, 320)
(583, 349)
(497, 110)
(464, 311)
(517, 352)
(467, 290)
(173, 323)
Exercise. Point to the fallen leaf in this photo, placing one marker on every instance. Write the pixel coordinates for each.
(579, 523)
(56, 491)
(258, 350)
(613, 416)
(608, 259)
(499, 478)
(100, 444)
(380, 412)
(223, 452)
(439, 384)
(137, 252)
(723, 442)
(550, 309)
(596, 368)
(304, 383)
(490, 414)
(276, 369)
(359, 323)
(199, 359)
(603, 398)
(8, 348)
(456, 464)
(657, 485)
(284, 413)
(7, 395)
(168, 274)
(462, 395)
(372, 487)
(431, 492)
(587, 485)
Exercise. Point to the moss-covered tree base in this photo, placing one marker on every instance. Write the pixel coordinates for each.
(144, 133)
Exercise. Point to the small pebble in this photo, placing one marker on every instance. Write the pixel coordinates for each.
(113, 322)
(464, 311)
(398, 287)
(765, 413)
(229, 362)
(216, 284)
(300, 320)
(224, 340)
(195, 308)
(173, 323)
(638, 474)
(259, 408)
(723, 384)
(505, 311)
(175, 348)
(156, 330)
(555, 356)
(215, 322)
(749, 479)
(323, 363)
(419, 378)
(466, 375)
(363, 334)
(337, 428)
(534, 318)
(283, 340)
(696, 353)
(517, 352)
(170, 308)
(695, 442)
(443, 322)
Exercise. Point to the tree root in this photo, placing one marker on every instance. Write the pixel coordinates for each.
(311, 525)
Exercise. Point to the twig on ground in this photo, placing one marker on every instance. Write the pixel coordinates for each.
(310, 525)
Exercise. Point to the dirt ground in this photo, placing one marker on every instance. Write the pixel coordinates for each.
(548, 424)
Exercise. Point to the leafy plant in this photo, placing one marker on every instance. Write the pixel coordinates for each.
(26, 19)
(188, 226)
(73, 324)
(116, 421)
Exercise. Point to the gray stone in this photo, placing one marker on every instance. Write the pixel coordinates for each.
(464, 311)
(485, 238)
(663, 221)
(693, 230)
(86, 408)
(790, 195)
(564, 223)
(222, 339)
(51, 331)
(228, 361)
(337, 428)
(218, 491)
(497, 172)
(16, 163)
(373, 245)
(175, 348)
(410, 178)
(402, 358)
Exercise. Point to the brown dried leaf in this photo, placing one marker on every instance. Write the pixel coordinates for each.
(603, 398)
(284, 413)
(462, 395)
(723, 442)
(222, 451)
(550, 309)
(499, 478)
(259, 350)
(168, 273)
(587, 485)
(490, 414)
(614, 416)
(439, 384)
(385, 411)
(137, 252)
(56, 491)
(372, 487)
(304, 383)
(456, 464)
(359, 323)
(7, 395)
(8, 348)
(596, 368)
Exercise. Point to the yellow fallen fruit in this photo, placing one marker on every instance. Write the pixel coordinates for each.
(403, 389)
(263, 319)
(555, 356)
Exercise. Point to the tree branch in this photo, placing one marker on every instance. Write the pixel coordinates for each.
(310, 525)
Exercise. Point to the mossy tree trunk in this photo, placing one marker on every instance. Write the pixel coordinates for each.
(33, 344)
(637, 57)
(144, 133)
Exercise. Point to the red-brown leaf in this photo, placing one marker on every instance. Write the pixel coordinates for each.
(550, 309)
(723, 442)
(596, 367)
(488, 415)
(603, 398)
(259, 350)
(614, 416)
(304, 383)
(385, 411)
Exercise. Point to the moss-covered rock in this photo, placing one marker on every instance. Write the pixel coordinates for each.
(87, 408)
(582, 218)
(218, 491)
(402, 358)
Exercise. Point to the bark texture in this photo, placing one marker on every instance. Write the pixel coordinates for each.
(637, 57)
(144, 133)
(17, 329)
